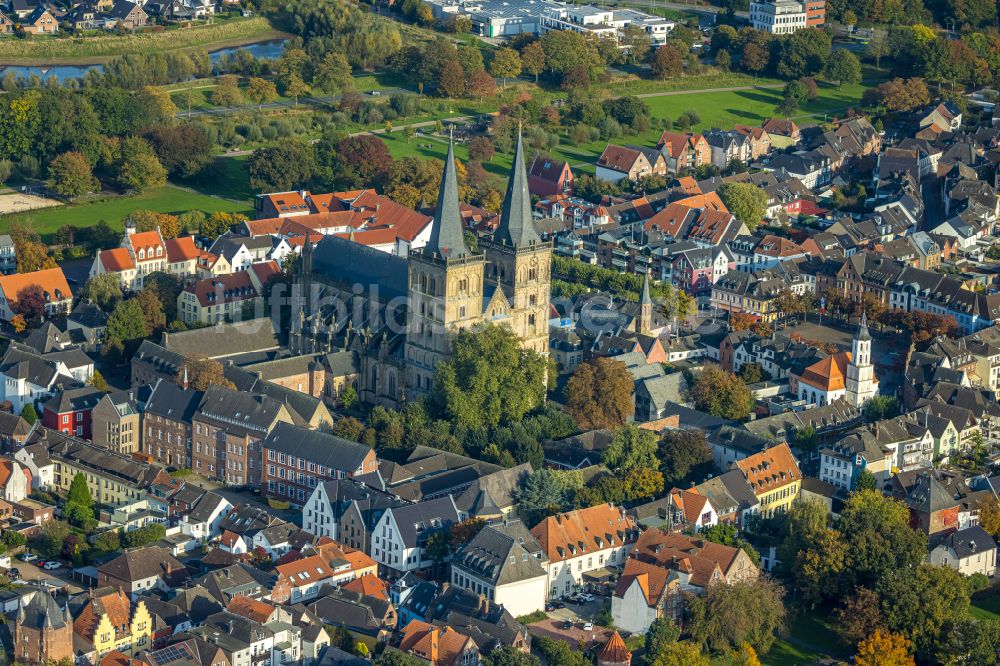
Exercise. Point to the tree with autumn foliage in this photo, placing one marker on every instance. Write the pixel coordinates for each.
(451, 81)
(30, 303)
(32, 255)
(722, 394)
(741, 321)
(599, 394)
(203, 372)
(884, 648)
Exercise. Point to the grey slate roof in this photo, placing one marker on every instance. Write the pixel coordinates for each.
(316, 446)
(171, 401)
(203, 510)
(161, 359)
(516, 226)
(344, 262)
(254, 335)
(42, 612)
(970, 541)
(416, 520)
(503, 554)
(447, 234)
(236, 410)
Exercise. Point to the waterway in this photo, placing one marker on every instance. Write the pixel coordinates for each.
(268, 50)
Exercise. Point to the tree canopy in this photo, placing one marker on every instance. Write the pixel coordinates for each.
(599, 394)
(489, 379)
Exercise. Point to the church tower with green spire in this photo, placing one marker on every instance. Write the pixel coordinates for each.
(445, 287)
(519, 263)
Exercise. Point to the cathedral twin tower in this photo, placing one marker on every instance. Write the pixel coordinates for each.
(452, 288)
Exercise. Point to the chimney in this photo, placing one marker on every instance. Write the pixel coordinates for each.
(184, 382)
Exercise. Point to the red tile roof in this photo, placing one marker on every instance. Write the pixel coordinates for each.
(146, 240)
(52, 282)
(574, 533)
(618, 158)
(116, 260)
(223, 289)
(181, 249)
(770, 469)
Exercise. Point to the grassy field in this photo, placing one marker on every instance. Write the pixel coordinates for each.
(67, 50)
(168, 199)
(987, 608)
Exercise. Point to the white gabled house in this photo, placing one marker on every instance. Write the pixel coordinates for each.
(584, 540)
(401, 533)
(202, 522)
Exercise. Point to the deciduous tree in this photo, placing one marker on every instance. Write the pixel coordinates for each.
(260, 91)
(879, 538)
(70, 175)
(684, 455)
(728, 616)
(203, 372)
(744, 200)
(104, 290)
(489, 379)
(533, 59)
(506, 64)
(362, 161)
(287, 166)
(721, 394)
(859, 615)
(631, 448)
(926, 605)
(451, 82)
(599, 394)
(668, 62)
(844, 67)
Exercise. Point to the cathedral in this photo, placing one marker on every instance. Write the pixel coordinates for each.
(398, 314)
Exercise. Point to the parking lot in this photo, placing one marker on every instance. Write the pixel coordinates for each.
(578, 613)
(58, 577)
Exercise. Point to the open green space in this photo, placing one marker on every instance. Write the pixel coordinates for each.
(168, 199)
(986, 608)
(66, 50)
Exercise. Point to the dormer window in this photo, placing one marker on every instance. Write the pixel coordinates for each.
(142, 254)
(159, 251)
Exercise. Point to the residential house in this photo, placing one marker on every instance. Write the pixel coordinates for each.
(945, 117)
(8, 257)
(505, 564)
(128, 15)
(548, 177)
(138, 570)
(774, 477)
(933, 509)
(783, 132)
(969, 551)
(760, 140)
(297, 459)
(114, 422)
(621, 162)
(110, 621)
(30, 378)
(69, 411)
(167, 420)
(301, 580)
(229, 429)
(684, 153)
(584, 540)
(729, 147)
(203, 521)
(401, 534)
(50, 283)
(225, 298)
(40, 22)
(346, 511)
(438, 646)
(663, 566)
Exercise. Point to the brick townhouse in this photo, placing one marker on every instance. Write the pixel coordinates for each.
(296, 459)
(229, 427)
(166, 423)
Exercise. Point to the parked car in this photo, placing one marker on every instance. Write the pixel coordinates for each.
(28, 557)
(13, 574)
(588, 626)
(567, 624)
(41, 563)
(585, 597)
(558, 604)
(52, 566)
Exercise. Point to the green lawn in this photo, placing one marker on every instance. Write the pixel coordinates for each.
(987, 608)
(168, 199)
(227, 177)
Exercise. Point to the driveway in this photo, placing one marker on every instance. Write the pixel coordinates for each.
(32, 574)
(575, 637)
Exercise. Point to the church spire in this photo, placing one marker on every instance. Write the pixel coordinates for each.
(516, 227)
(644, 322)
(447, 236)
(863, 333)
